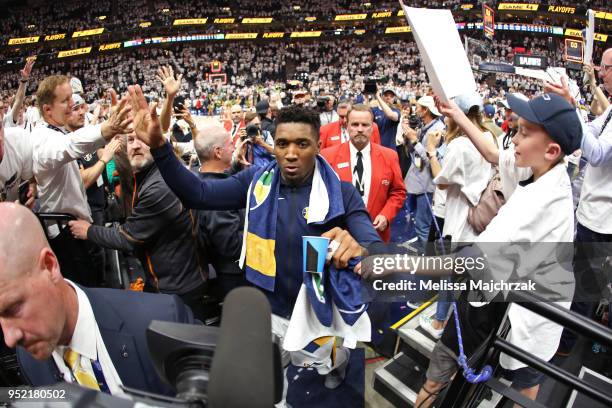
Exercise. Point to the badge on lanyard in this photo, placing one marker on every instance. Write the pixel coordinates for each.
(418, 162)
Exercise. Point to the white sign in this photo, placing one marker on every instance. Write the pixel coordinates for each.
(588, 39)
(443, 56)
(589, 36)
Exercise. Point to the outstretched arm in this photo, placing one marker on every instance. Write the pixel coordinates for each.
(485, 145)
(226, 194)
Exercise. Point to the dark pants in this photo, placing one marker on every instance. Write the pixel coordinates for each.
(74, 258)
(195, 299)
(97, 253)
(227, 282)
(591, 250)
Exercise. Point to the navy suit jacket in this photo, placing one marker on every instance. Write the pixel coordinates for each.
(122, 318)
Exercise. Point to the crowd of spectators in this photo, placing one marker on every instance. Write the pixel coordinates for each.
(29, 17)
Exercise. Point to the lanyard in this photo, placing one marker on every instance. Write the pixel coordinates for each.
(52, 127)
(426, 128)
(606, 122)
(468, 372)
(97, 369)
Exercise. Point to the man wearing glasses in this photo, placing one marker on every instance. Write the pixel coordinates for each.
(594, 213)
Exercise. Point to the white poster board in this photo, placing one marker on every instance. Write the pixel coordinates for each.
(442, 53)
(589, 36)
(556, 73)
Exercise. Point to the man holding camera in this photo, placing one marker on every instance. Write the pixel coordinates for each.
(264, 111)
(386, 117)
(418, 180)
(260, 144)
(326, 105)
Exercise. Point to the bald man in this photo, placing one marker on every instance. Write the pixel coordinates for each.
(594, 213)
(62, 331)
(221, 230)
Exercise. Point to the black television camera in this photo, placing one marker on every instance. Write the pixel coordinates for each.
(252, 131)
(370, 87)
(234, 366)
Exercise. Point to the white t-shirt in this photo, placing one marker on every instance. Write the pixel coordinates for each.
(539, 212)
(595, 207)
(466, 173)
(16, 165)
(439, 196)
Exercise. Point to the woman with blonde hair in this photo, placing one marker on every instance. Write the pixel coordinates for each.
(465, 173)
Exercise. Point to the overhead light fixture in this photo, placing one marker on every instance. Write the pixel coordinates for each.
(296, 7)
(31, 26)
(166, 10)
(102, 18)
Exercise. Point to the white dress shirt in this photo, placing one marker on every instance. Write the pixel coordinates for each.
(367, 168)
(60, 186)
(595, 206)
(16, 165)
(328, 117)
(87, 341)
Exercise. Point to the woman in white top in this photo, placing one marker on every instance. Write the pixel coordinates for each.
(465, 173)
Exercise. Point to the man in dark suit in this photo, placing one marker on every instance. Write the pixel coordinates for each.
(372, 168)
(94, 337)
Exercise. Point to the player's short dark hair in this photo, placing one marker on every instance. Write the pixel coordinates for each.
(300, 114)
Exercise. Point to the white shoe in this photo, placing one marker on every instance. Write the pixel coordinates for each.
(425, 323)
(414, 305)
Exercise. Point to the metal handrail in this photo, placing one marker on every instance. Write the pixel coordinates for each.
(564, 317)
(552, 371)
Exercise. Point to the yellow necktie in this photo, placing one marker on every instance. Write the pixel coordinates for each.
(84, 378)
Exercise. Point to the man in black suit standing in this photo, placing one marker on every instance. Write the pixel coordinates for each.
(94, 337)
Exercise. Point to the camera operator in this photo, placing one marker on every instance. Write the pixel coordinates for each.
(260, 151)
(264, 111)
(325, 104)
(419, 181)
(386, 116)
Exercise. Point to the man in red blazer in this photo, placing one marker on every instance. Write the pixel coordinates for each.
(373, 169)
(336, 133)
(233, 126)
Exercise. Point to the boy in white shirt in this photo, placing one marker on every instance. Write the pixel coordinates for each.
(538, 209)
